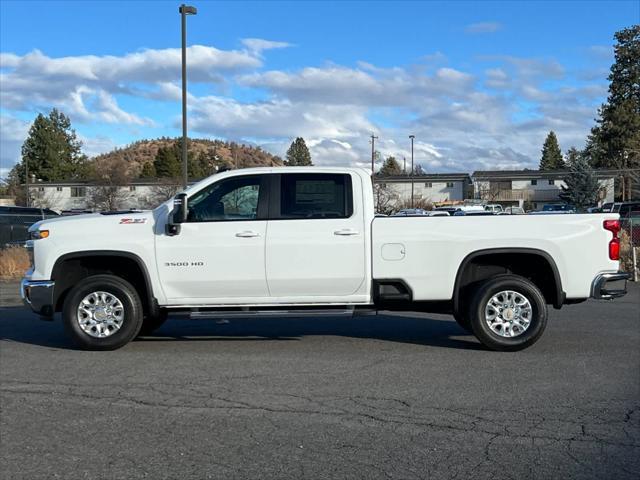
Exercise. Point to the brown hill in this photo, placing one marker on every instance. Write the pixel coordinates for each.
(222, 154)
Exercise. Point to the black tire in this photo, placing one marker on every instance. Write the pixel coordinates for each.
(480, 326)
(151, 323)
(132, 308)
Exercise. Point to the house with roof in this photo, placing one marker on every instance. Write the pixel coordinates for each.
(531, 188)
(434, 188)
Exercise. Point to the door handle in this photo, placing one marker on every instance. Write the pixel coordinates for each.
(346, 232)
(247, 234)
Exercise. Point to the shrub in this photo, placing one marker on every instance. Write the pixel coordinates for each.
(626, 253)
(424, 203)
(14, 261)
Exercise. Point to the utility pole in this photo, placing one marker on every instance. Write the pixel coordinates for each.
(412, 137)
(373, 154)
(184, 11)
(404, 165)
(26, 180)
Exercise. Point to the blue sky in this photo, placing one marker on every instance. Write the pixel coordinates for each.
(479, 83)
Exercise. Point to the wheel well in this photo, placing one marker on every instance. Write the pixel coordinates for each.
(71, 269)
(536, 266)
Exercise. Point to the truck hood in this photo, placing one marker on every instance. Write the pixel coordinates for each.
(95, 220)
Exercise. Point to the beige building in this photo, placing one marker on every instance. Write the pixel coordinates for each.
(431, 188)
(535, 187)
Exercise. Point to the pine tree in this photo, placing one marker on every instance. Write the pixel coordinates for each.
(582, 185)
(390, 167)
(298, 154)
(612, 142)
(551, 154)
(148, 170)
(167, 163)
(52, 150)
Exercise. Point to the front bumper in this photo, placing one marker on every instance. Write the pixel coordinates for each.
(610, 285)
(38, 294)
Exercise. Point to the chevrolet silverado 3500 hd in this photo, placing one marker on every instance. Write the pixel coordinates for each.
(306, 241)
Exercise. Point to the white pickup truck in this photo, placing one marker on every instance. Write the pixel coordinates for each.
(306, 241)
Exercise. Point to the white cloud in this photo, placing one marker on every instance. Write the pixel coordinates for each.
(258, 45)
(13, 132)
(86, 86)
(462, 121)
(483, 27)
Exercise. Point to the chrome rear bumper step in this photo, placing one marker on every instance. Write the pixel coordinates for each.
(610, 285)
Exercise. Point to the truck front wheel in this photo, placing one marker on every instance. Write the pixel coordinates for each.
(508, 313)
(103, 312)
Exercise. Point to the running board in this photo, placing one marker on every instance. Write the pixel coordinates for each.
(328, 312)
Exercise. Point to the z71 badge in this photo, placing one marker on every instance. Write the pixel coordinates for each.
(129, 221)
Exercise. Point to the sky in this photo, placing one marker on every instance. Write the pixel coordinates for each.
(479, 84)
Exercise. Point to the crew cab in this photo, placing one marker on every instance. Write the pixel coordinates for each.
(306, 241)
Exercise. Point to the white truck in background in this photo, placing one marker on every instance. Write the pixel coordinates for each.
(305, 240)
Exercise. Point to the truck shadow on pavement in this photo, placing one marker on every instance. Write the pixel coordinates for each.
(19, 325)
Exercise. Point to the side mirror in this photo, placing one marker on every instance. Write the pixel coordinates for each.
(178, 215)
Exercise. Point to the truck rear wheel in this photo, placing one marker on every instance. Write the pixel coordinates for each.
(508, 313)
(103, 312)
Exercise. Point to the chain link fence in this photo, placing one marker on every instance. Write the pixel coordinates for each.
(630, 243)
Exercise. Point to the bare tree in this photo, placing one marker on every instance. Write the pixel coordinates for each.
(384, 198)
(111, 179)
(45, 199)
(161, 192)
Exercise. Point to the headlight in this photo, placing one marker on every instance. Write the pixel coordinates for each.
(38, 234)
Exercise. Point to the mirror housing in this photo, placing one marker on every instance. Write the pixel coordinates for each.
(178, 215)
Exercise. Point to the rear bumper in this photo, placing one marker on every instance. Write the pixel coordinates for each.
(38, 294)
(610, 285)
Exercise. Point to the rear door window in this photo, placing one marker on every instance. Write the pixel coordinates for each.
(315, 195)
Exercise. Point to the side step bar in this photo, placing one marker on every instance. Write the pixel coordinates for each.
(326, 312)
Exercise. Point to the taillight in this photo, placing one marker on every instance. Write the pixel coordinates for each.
(614, 245)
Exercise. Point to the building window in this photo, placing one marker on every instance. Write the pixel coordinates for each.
(428, 185)
(449, 184)
(41, 189)
(132, 188)
(534, 182)
(58, 189)
(78, 192)
(552, 182)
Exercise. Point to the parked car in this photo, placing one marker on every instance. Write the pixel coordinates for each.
(15, 222)
(305, 241)
(493, 207)
(625, 208)
(437, 213)
(449, 210)
(513, 211)
(558, 207)
(406, 212)
(461, 213)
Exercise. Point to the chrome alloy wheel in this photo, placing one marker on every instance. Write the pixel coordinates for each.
(100, 314)
(508, 313)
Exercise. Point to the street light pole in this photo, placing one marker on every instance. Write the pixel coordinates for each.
(184, 11)
(412, 137)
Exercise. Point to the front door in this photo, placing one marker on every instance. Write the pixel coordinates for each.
(315, 239)
(219, 255)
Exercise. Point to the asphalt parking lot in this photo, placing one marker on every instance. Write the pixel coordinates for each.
(388, 396)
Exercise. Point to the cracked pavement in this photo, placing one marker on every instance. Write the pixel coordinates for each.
(389, 396)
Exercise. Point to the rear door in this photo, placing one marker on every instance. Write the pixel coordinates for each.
(315, 248)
